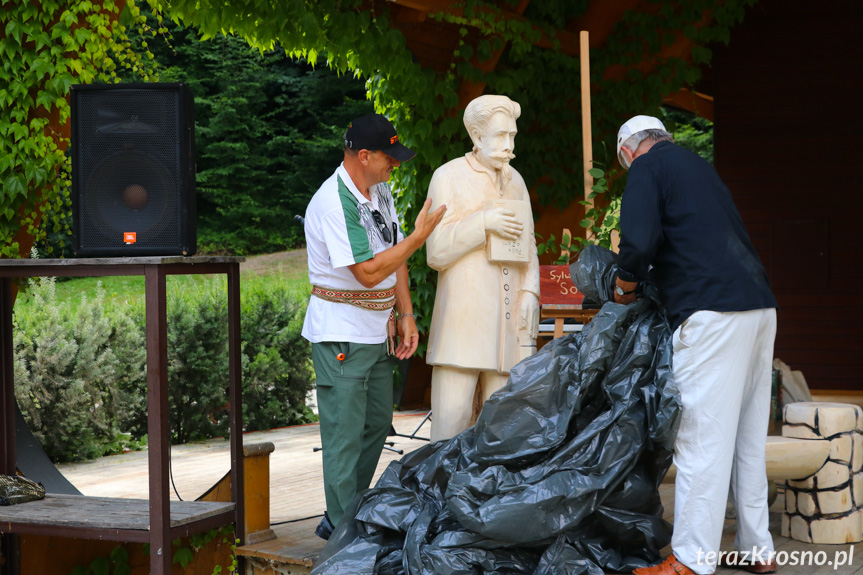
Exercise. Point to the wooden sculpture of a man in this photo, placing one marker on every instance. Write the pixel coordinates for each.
(486, 310)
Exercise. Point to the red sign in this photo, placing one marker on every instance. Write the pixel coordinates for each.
(556, 287)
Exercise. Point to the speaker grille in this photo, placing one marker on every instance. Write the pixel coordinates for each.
(129, 169)
(131, 192)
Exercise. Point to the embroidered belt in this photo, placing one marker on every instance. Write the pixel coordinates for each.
(378, 300)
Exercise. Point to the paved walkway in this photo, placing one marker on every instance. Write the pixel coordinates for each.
(296, 475)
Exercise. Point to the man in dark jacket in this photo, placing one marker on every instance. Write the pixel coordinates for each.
(681, 230)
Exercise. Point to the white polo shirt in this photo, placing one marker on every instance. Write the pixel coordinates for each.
(341, 231)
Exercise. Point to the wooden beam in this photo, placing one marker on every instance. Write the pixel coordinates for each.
(568, 42)
(586, 127)
(691, 101)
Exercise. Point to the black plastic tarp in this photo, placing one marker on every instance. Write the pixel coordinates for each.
(560, 474)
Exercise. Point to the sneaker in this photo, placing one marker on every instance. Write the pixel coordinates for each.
(325, 527)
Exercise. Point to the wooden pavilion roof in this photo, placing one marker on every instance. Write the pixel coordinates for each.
(433, 42)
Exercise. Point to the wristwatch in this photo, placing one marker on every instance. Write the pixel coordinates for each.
(619, 291)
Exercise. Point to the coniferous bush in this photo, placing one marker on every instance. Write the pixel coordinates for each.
(73, 372)
(277, 370)
(268, 131)
(198, 362)
(80, 373)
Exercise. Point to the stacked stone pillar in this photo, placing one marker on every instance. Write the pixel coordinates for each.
(827, 507)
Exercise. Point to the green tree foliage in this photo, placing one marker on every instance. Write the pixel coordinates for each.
(76, 381)
(358, 37)
(269, 131)
(690, 131)
(630, 73)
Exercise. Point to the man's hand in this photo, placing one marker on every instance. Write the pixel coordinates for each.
(626, 286)
(427, 221)
(503, 222)
(528, 317)
(409, 337)
(373, 271)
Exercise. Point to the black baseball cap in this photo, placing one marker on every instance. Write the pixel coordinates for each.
(374, 132)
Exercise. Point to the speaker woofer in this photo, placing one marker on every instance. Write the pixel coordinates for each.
(130, 192)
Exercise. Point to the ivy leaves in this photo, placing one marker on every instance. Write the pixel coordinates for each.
(45, 49)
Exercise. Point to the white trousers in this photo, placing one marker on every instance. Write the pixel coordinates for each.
(722, 367)
(452, 396)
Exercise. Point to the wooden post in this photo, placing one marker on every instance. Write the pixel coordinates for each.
(565, 240)
(586, 135)
(158, 428)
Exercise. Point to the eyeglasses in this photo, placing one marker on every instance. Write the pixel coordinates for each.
(383, 226)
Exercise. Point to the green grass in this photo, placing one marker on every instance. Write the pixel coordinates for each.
(121, 290)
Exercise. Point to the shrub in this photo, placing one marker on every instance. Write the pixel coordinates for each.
(81, 373)
(198, 362)
(277, 369)
(71, 371)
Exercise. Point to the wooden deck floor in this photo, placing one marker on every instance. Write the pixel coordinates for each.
(297, 499)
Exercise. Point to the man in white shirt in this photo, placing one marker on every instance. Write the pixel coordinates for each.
(360, 300)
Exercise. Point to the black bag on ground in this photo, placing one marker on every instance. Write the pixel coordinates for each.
(559, 475)
(15, 489)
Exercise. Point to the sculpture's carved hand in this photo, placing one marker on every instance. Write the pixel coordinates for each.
(503, 222)
(529, 313)
(427, 221)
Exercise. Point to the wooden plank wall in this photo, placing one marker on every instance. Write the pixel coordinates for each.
(788, 142)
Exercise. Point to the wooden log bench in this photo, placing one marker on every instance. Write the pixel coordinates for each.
(827, 506)
(787, 458)
(820, 458)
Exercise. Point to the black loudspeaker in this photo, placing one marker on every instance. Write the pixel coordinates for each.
(133, 170)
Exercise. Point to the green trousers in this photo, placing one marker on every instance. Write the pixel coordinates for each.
(355, 406)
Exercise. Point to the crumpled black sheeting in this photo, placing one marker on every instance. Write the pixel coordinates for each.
(559, 475)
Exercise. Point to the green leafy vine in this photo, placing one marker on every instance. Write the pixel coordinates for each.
(47, 47)
(117, 562)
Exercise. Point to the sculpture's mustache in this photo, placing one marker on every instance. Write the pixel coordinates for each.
(502, 155)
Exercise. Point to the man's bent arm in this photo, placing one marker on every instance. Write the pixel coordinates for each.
(375, 270)
(640, 224)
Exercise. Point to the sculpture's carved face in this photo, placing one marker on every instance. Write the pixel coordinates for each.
(494, 147)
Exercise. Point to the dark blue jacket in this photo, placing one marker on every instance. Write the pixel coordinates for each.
(680, 228)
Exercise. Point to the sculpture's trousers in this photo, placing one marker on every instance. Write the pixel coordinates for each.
(722, 367)
(452, 396)
(355, 406)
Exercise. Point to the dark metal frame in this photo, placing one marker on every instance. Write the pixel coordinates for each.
(155, 270)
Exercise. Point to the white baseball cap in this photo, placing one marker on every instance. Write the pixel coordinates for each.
(634, 125)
